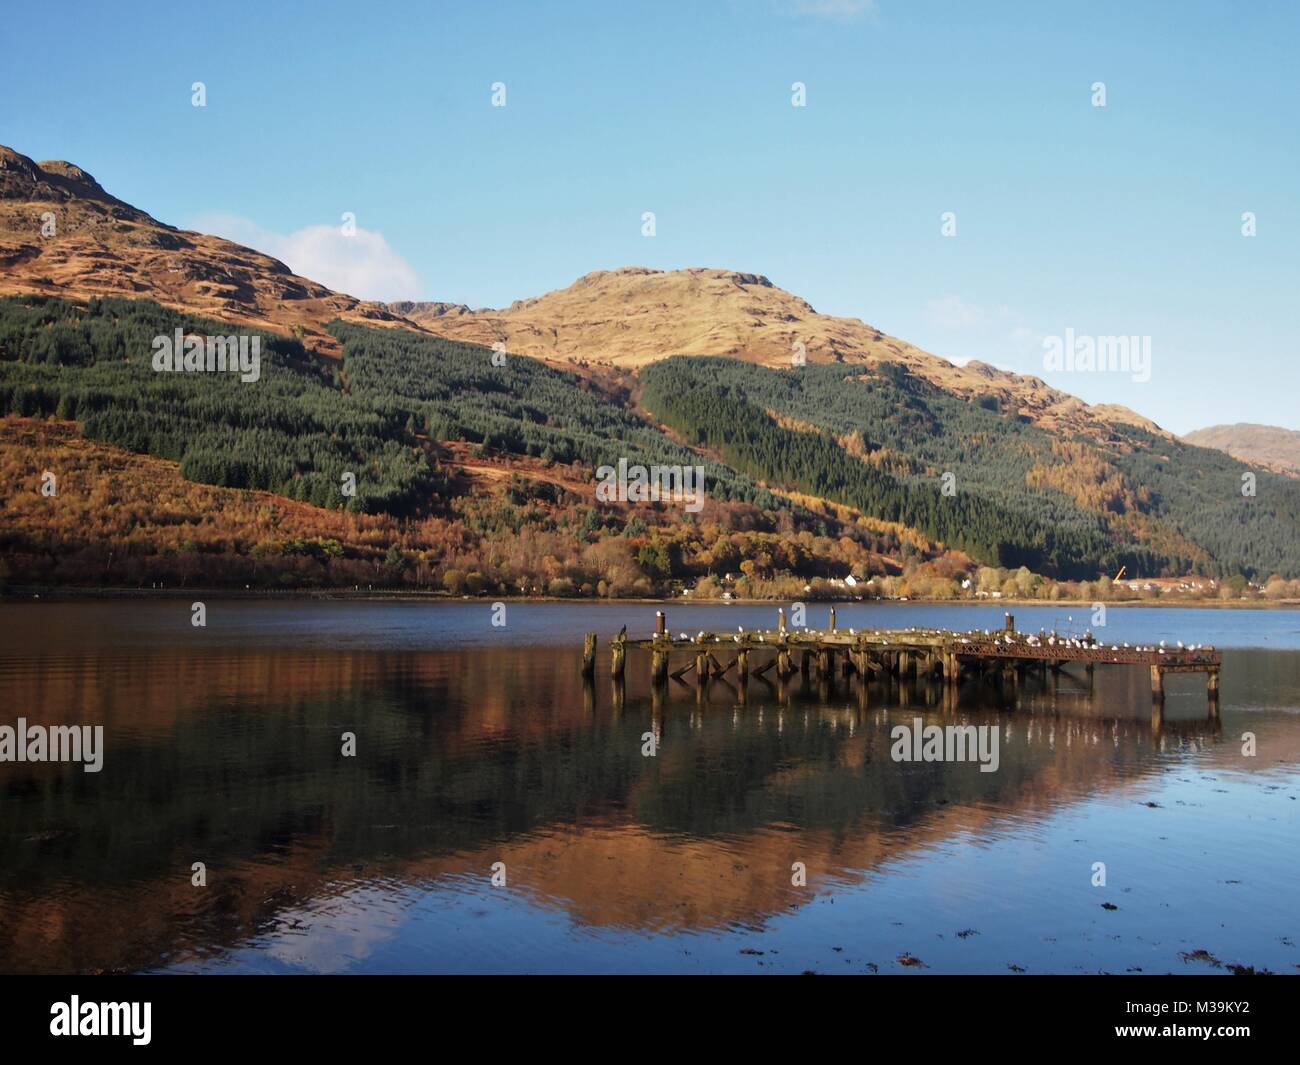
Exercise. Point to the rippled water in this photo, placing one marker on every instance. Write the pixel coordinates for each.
(479, 745)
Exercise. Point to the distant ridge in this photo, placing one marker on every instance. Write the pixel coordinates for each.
(1270, 446)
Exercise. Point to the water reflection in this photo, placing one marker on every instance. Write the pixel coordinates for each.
(233, 757)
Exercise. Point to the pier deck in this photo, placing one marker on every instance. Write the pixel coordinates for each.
(942, 654)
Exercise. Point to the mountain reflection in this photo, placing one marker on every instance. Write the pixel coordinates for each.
(233, 757)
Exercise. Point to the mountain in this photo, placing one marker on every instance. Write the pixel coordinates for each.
(101, 246)
(389, 445)
(1261, 445)
(635, 316)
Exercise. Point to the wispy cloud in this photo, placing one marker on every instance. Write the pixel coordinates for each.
(361, 265)
(834, 10)
(987, 330)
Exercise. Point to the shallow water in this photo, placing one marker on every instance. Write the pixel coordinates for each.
(478, 744)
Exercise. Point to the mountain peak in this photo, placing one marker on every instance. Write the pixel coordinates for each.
(635, 315)
(102, 246)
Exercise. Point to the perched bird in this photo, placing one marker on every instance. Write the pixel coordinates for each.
(623, 631)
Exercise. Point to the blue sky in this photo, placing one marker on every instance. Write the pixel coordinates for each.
(1117, 220)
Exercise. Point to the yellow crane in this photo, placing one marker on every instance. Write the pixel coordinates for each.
(1117, 576)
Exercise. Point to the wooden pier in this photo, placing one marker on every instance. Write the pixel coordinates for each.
(943, 655)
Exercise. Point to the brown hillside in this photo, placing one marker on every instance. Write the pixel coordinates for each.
(105, 247)
(634, 316)
(622, 318)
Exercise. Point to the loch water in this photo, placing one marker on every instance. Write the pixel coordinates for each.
(501, 815)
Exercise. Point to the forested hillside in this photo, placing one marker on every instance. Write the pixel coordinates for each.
(403, 413)
(882, 441)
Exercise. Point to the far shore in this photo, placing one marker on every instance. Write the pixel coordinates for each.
(28, 594)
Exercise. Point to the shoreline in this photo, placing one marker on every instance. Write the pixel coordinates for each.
(32, 593)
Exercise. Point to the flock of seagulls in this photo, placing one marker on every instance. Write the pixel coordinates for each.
(1007, 638)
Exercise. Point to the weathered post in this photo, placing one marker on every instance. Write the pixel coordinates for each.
(589, 654)
(1157, 684)
(618, 655)
(1212, 690)
(780, 620)
(832, 619)
(659, 665)
(1010, 624)
(661, 623)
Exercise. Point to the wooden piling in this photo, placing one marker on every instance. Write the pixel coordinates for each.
(589, 654)
(618, 657)
(659, 666)
(1157, 684)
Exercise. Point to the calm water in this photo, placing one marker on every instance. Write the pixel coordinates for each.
(479, 745)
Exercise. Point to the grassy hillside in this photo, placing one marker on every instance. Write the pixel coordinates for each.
(1261, 445)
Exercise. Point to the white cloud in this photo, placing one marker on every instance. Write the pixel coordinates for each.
(362, 265)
